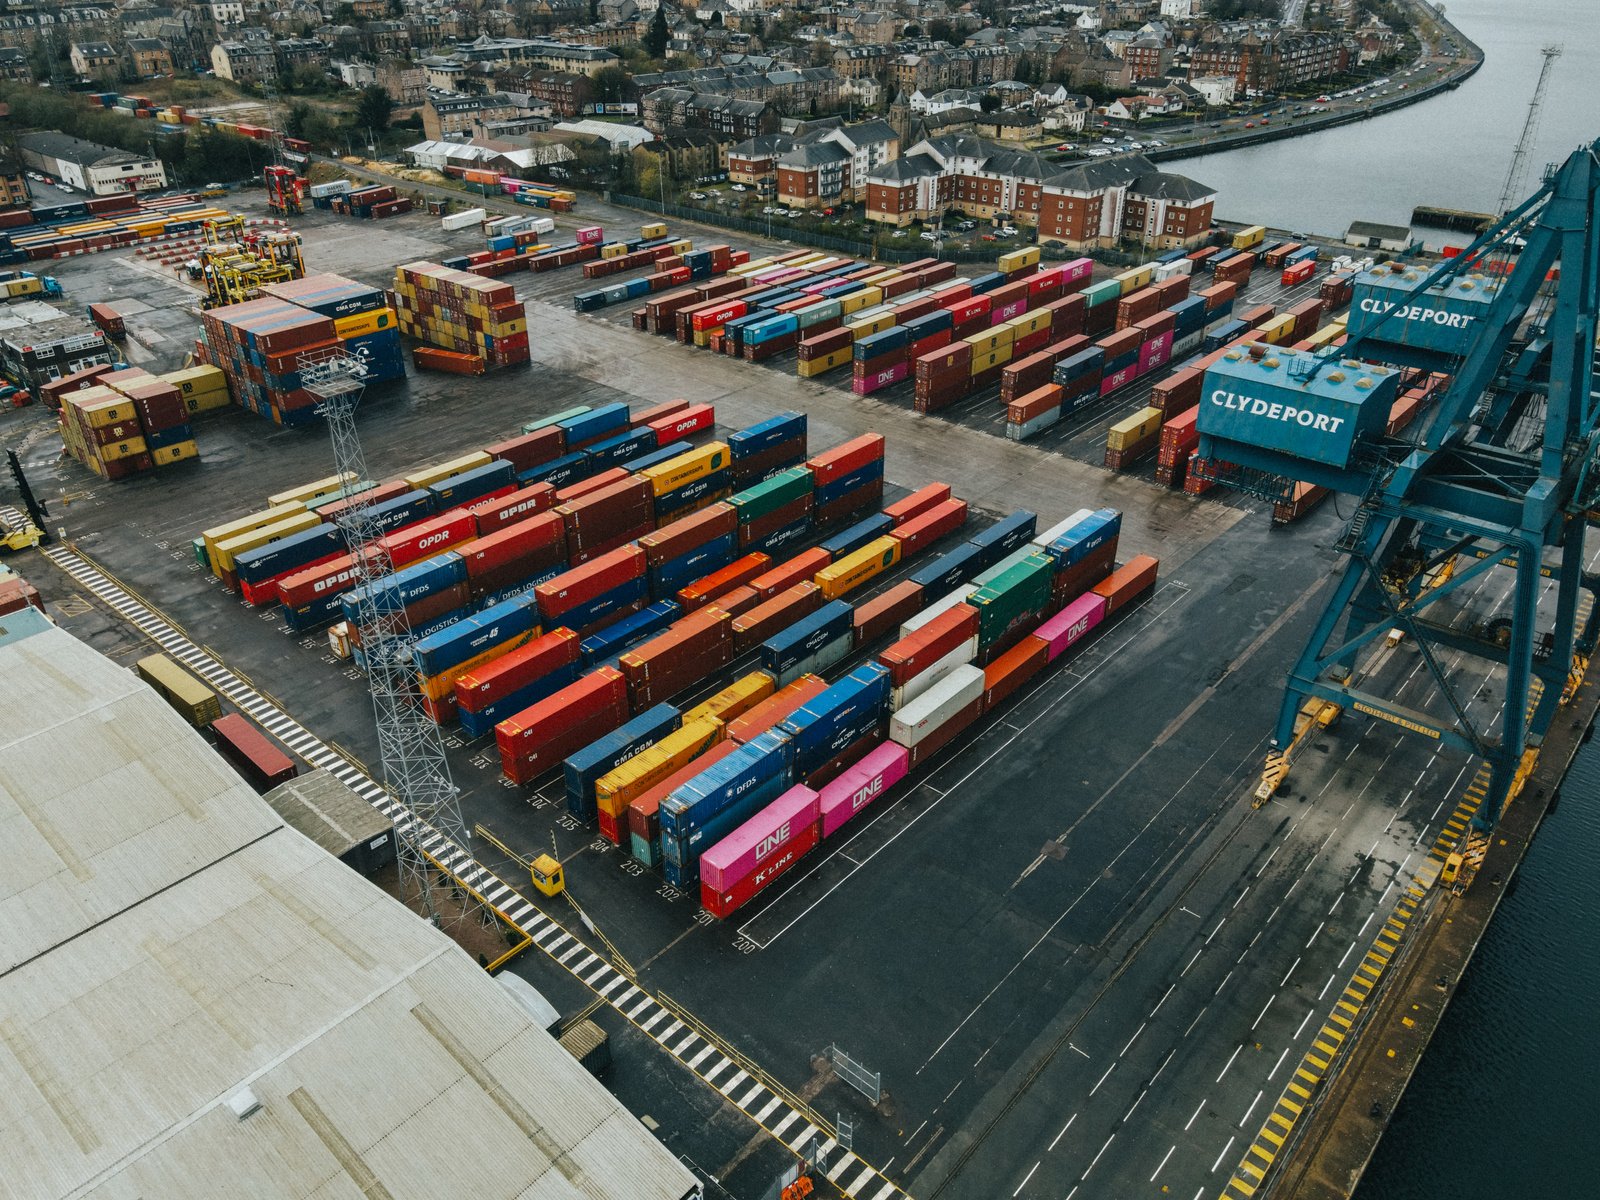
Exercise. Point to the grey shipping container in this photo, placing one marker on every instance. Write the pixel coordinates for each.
(333, 816)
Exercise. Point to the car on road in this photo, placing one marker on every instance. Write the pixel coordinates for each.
(1249, 124)
(1067, 147)
(988, 237)
(1324, 100)
(1155, 142)
(1134, 146)
(901, 232)
(216, 187)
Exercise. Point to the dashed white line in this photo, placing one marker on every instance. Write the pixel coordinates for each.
(1064, 1129)
(1279, 1063)
(1096, 1158)
(1246, 1118)
(1193, 1115)
(1162, 1163)
(1289, 972)
(1220, 1157)
(1263, 1011)
(1025, 1179)
(1229, 1063)
(1096, 1087)
(1310, 1012)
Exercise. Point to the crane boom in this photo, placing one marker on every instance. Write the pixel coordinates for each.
(1530, 129)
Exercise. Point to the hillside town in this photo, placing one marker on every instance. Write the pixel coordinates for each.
(991, 112)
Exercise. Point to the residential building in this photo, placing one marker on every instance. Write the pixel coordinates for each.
(446, 115)
(384, 38)
(1021, 125)
(1268, 62)
(98, 170)
(443, 74)
(673, 109)
(406, 82)
(813, 175)
(545, 53)
(14, 65)
(92, 60)
(1179, 10)
(566, 93)
(150, 57)
(682, 156)
(861, 62)
(294, 52)
(227, 12)
(755, 160)
(244, 62)
(1216, 90)
(1102, 203)
(13, 183)
(1147, 57)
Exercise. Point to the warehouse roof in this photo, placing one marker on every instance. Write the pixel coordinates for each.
(75, 150)
(172, 954)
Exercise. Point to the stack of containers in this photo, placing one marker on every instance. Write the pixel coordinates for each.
(617, 788)
(583, 770)
(541, 736)
(607, 587)
(203, 388)
(442, 658)
(363, 322)
(774, 512)
(127, 423)
(689, 481)
(847, 478)
(833, 729)
(461, 314)
(810, 645)
(607, 517)
(516, 680)
(697, 814)
(259, 345)
(695, 646)
(766, 448)
(678, 553)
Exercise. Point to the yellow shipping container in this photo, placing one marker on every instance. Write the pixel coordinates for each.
(1246, 238)
(1276, 331)
(613, 249)
(230, 548)
(177, 452)
(445, 470)
(816, 366)
(361, 324)
(805, 260)
(116, 450)
(877, 324)
(1326, 336)
(993, 358)
(856, 568)
(982, 343)
(1134, 429)
(738, 698)
(682, 245)
(200, 402)
(1029, 322)
(197, 379)
(687, 467)
(856, 301)
(653, 229)
(222, 533)
(1135, 278)
(888, 275)
(1017, 260)
(308, 492)
(615, 790)
(102, 410)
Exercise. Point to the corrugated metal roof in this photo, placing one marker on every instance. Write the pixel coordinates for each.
(215, 949)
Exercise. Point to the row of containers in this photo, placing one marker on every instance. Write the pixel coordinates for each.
(513, 244)
(374, 203)
(523, 191)
(262, 346)
(98, 223)
(126, 421)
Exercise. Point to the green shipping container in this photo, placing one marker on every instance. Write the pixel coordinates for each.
(771, 494)
(1020, 555)
(1021, 589)
(199, 548)
(553, 418)
(344, 493)
(1101, 293)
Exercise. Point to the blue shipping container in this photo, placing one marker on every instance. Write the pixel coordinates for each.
(825, 726)
(805, 637)
(680, 857)
(580, 618)
(780, 538)
(616, 451)
(658, 456)
(760, 761)
(403, 510)
(559, 472)
(705, 558)
(413, 583)
(846, 484)
(471, 637)
(597, 422)
(950, 570)
(473, 485)
(479, 723)
(690, 493)
(896, 337)
(1087, 536)
(763, 435)
(1005, 535)
(1223, 334)
(584, 769)
(987, 282)
(295, 551)
(930, 323)
(858, 535)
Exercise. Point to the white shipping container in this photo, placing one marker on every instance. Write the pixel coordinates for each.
(944, 604)
(1044, 539)
(918, 684)
(321, 191)
(462, 220)
(938, 704)
(826, 656)
(1166, 271)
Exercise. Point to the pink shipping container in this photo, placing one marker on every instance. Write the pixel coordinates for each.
(1119, 377)
(863, 783)
(881, 379)
(724, 904)
(747, 847)
(1015, 309)
(1155, 352)
(590, 235)
(1079, 271)
(1069, 626)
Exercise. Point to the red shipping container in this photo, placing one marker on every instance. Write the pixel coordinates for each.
(582, 549)
(1067, 315)
(723, 904)
(953, 727)
(644, 811)
(517, 669)
(1006, 674)
(594, 578)
(970, 309)
(767, 617)
(695, 419)
(384, 491)
(937, 363)
(695, 646)
(947, 632)
(790, 572)
(736, 574)
(885, 613)
(1179, 435)
(822, 344)
(686, 533)
(1219, 294)
(775, 708)
(330, 577)
(1121, 342)
(924, 529)
(919, 502)
(1128, 582)
(1178, 392)
(841, 460)
(538, 738)
(594, 483)
(947, 296)
(1156, 324)
(537, 543)
(865, 497)
(658, 413)
(718, 314)
(512, 508)
(1034, 404)
(432, 536)
(779, 518)
(602, 512)
(737, 602)
(1029, 342)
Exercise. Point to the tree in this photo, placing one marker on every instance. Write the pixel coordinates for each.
(657, 36)
(989, 102)
(374, 109)
(299, 118)
(716, 20)
(610, 84)
(941, 30)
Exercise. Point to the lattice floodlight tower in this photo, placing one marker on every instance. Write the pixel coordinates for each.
(1503, 472)
(411, 748)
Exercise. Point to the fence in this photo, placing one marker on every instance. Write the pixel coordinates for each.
(821, 241)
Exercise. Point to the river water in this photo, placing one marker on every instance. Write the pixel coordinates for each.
(1453, 150)
(1505, 1099)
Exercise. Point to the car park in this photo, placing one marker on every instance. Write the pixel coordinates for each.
(1109, 141)
(1100, 152)
(739, 187)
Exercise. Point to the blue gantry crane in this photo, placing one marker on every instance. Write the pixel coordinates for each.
(1500, 475)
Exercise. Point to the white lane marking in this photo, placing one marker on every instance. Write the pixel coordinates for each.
(1194, 1114)
(1025, 1179)
(1278, 1064)
(1231, 1057)
(1063, 1132)
(1220, 1157)
(1245, 1119)
(1162, 1163)
(1096, 1087)
(1096, 1158)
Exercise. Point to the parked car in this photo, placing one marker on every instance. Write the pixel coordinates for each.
(1100, 152)
(738, 187)
(1134, 146)
(1109, 141)
(900, 232)
(929, 235)
(1155, 142)
(697, 195)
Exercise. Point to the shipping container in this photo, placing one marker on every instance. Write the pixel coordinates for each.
(193, 700)
(539, 737)
(1128, 583)
(583, 769)
(258, 759)
(870, 778)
